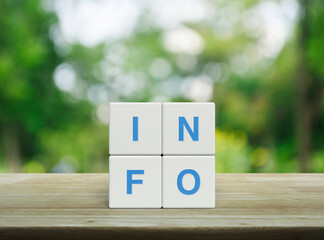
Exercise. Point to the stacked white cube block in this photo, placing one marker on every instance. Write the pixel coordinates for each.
(162, 155)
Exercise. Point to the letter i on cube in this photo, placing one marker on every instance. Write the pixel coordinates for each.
(162, 155)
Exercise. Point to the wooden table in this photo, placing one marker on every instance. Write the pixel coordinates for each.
(248, 206)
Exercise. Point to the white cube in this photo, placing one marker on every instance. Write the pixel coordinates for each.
(135, 182)
(188, 129)
(188, 182)
(135, 129)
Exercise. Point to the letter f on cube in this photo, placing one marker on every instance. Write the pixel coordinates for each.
(131, 181)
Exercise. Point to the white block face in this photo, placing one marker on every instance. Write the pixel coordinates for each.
(188, 182)
(135, 182)
(188, 129)
(135, 129)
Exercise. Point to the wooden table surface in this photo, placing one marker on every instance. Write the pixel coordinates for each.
(248, 206)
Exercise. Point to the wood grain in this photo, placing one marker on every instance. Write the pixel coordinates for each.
(248, 206)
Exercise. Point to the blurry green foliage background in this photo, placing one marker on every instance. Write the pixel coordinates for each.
(261, 62)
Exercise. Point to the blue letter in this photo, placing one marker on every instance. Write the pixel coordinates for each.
(197, 182)
(130, 180)
(193, 134)
(135, 128)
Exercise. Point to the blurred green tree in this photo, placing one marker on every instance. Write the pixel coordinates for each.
(30, 102)
(310, 77)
